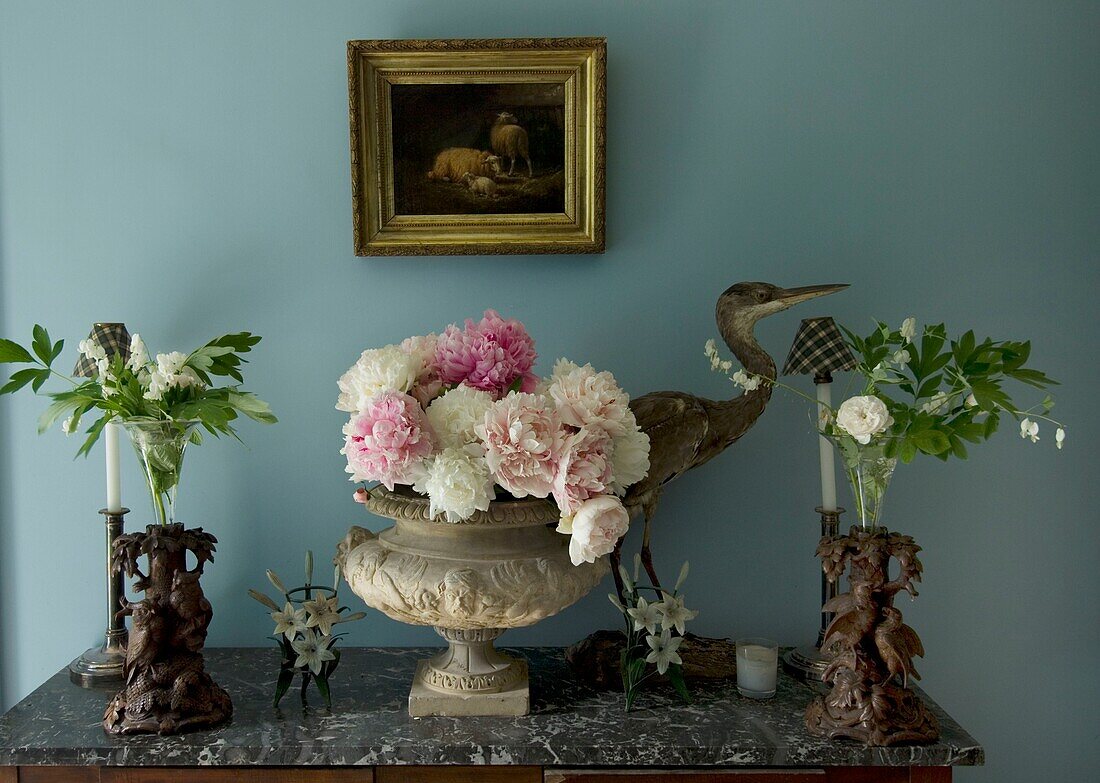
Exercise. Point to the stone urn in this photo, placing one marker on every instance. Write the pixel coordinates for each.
(471, 580)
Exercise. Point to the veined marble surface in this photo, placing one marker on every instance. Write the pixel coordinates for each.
(570, 725)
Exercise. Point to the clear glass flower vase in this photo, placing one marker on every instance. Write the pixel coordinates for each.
(869, 472)
(160, 445)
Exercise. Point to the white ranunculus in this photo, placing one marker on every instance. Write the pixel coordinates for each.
(454, 416)
(457, 483)
(629, 456)
(377, 370)
(598, 524)
(909, 329)
(863, 417)
(586, 398)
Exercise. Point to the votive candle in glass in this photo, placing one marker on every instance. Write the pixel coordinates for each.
(757, 663)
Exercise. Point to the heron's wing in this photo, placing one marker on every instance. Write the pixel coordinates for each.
(676, 424)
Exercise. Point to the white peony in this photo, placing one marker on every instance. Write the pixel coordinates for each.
(456, 414)
(586, 398)
(457, 483)
(377, 370)
(630, 456)
(863, 417)
(596, 527)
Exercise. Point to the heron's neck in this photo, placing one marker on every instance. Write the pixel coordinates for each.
(730, 419)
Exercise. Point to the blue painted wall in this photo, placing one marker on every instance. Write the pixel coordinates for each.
(183, 167)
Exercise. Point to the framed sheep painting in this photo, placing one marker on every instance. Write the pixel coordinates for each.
(462, 147)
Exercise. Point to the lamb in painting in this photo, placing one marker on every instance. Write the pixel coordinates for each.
(480, 186)
(509, 140)
(454, 163)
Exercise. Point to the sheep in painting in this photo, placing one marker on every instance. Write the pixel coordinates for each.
(452, 164)
(509, 140)
(480, 186)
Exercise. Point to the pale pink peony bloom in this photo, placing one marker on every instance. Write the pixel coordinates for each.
(584, 469)
(388, 440)
(489, 355)
(428, 384)
(523, 438)
(586, 398)
(597, 526)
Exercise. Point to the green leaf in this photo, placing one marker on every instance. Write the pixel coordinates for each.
(286, 677)
(930, 441)
(11, 352)
(40, 381)
(676, 677)
(93, 435)
(62, 405)
(41, 344)
(19, 379)
(57, 348)
(957, 447)
(907, 451)
(322, 686)
(991, 425)
(252, 406)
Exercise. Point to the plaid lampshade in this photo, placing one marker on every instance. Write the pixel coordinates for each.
(818, 348)
(113, 338)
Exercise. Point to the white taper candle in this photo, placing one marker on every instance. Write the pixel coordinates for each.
(825, 449)
(114, 484)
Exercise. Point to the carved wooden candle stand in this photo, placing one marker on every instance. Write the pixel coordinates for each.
(167, 689)
(869, 645)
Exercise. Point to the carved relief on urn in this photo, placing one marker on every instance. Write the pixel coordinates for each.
(499, 569)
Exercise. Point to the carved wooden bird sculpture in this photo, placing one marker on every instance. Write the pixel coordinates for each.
(897, 643)
(684, 430)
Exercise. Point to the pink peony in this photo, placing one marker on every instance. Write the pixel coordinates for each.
(489, 355)
(428, 385)
(584, 470)
(522, 436)
(388, 440)
(597, 527)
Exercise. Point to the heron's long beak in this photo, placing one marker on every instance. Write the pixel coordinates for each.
(792, 296)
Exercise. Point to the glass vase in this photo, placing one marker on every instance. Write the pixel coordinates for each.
(160, 445)
(869, 472)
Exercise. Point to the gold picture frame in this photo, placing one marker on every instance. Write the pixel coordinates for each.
(427, 180)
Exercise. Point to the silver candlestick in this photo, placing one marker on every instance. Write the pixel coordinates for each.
(807, 662)
(103, 665)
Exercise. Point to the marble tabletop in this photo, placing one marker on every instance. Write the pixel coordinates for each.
(570, 725)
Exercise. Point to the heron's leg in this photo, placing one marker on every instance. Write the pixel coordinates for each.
(616, 559)
(647, 556)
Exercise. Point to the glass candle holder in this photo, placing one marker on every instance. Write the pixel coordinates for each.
(757, 662)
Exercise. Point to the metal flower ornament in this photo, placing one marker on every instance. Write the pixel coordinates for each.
(304, 631)
(654, 632)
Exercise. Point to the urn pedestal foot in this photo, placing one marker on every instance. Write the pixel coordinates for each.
(470, 677)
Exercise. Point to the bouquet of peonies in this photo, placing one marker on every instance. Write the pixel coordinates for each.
(461, 416)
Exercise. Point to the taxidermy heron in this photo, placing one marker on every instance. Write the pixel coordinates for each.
(684, 430)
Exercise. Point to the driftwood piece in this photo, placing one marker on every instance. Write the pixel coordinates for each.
(167, 688)
(595, 659)
(872, 649)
